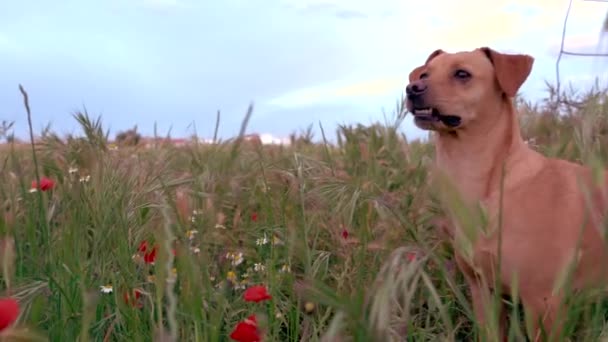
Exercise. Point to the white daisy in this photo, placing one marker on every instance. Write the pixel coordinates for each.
(261, 241)
(106, 289)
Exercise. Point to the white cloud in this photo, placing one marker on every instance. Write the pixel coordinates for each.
(350, 92)
(385, 48)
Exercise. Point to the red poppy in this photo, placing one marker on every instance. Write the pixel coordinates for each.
(143, 246)
(135, 301)
(256, 294)
(344, 234)
(246, 331)
(9, 311)
(150, 257)
(45, 184)
(254, 217)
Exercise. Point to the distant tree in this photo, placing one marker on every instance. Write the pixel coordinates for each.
(128, 138)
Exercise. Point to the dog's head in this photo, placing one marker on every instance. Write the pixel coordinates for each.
(454, 91)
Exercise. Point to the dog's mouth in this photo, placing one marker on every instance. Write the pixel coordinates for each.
(430, 114)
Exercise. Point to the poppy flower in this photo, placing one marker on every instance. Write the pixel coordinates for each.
(254, 217)
(45, 184)
(9, 311)
(246, 331)
(135, 301)
(150, 257)
(344, 234)
(143, 246)
(256, 294)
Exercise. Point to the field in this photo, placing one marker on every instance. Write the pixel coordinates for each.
(160, 244)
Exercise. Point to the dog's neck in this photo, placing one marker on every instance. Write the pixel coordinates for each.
(473, 160)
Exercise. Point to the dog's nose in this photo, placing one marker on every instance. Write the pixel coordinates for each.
(415, 88)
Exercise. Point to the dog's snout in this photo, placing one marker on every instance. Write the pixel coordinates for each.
(415, 89)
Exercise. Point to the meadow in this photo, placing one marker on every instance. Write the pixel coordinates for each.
(314, 241)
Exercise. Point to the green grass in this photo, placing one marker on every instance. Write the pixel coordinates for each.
(350, 252)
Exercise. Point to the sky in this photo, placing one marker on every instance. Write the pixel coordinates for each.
(175, 63)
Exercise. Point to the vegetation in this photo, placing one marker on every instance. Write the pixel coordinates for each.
(136, 243)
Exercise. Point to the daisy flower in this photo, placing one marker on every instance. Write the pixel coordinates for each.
(106, 289)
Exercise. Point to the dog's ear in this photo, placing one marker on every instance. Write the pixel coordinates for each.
(511, 70)
(415, 74)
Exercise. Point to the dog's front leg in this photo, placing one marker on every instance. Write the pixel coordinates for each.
(545, 316)
(481, 299)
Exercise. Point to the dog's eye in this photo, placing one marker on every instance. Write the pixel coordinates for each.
(424, 75)
(462, 74)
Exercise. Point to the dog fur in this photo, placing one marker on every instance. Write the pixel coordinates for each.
(552, 210)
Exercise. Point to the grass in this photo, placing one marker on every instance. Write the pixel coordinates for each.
(341, 235)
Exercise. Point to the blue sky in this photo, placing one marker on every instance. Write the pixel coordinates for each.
(176, 62)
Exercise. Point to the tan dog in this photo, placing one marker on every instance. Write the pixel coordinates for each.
(466, 99)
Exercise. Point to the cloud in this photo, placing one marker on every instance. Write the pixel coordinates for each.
(385, 49)
(340, 92)
(582, 43)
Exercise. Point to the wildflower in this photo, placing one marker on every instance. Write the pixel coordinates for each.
(261, 241)
(236, 258)
(231, 276)
(9, 311)
(150, 257)
(344, 234)
(256, 294)
(191, 234)
(151, 278)
(106, 289)
(254, 217)
(135, 300)
(285, 269)
(246, 331)
(219, 226)
(195, 250)
(72, 170)
(45, 184)
(246, 274)
(137, 258)
(143, 246)
(259, 267)
(85, 179)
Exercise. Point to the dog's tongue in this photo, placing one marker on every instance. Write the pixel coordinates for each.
(450, 120)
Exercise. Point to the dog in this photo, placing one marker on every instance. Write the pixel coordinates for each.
(544, 215)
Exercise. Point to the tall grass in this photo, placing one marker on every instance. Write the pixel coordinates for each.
(342, 235)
